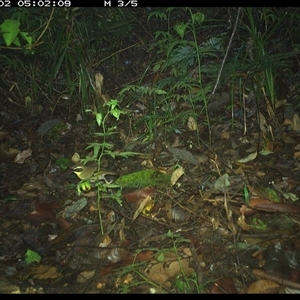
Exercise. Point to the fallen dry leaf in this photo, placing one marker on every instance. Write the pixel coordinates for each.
(145, 207)
(84, 276)
(163, 272)
(263, 286)
(192, 124)
(22, 156)
(44, 272)
(176, 175)
(224, 285)
(139, 195)
(269, 206)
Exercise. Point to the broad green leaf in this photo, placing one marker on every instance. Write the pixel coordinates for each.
(17, 42)
(198, 18)
(10, 30)
(116, 113)
(269, 193)
(31, 256)
(26, 37)
(180, 29)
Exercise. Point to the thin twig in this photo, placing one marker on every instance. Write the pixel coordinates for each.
(46, 27)
(227, 50)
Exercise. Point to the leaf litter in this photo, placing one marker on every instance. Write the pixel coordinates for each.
(222, 218)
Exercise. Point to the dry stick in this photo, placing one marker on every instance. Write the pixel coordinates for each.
(227, 50)
(46, 27)
(285, 282)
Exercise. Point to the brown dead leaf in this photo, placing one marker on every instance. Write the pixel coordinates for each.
(163, 272)
(144, 255)
(99, 85)
(139, 195)
(192, 124)
(145, 207)
(225, 135)
(84, 276)
(242, 223)
(22, 156)
(295, 122)
(263, 124)
(269, 206)
(224, 285)
(288, 139)
(44, 272)
(46, 212)
(263, 286)
(176, 175)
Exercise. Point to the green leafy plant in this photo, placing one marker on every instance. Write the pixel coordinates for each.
(100, 150)
(179, 60)
(139, 280)
(261, 29)
(183, 283)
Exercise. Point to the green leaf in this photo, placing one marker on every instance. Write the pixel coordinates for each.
(63, 163)
(124, 154)
(10, 30)
(269, 193)
(26, 37)
(161, 256)
(258, 223)
(99, 118)
(180, 29)
(17, 42)
(31, 256)
(198, 18)
(246, 195)
(116, 113)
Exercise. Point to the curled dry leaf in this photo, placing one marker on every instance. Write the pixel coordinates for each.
(22, 156)
(145, 207)
(192, 124)
(176, 175)
(75, 158)
(43, 272)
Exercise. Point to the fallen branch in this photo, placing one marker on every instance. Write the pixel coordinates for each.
(279, 280)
